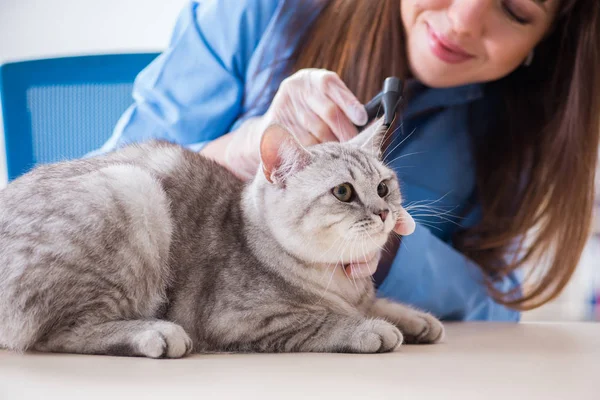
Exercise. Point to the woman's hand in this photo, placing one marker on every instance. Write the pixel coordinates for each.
(317, 107)
(314, 104)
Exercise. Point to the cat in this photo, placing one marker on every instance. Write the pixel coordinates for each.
(154, 250)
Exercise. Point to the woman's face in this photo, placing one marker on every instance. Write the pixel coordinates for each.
(455, 42)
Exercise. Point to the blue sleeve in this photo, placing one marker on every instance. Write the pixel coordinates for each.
(192, 92)
(430, 274)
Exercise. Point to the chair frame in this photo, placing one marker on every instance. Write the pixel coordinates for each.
(16, 78)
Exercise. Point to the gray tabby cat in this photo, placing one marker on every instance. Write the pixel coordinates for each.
(156, 251)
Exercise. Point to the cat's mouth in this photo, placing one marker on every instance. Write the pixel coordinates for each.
(363, 266)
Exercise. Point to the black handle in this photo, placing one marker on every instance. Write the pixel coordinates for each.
(385, 102)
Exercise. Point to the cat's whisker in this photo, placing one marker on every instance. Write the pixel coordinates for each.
(432, 212)
(430, 216)
(432, 201)
(427, 203)
(388, 243)
(344, 243)
(427, 211)
(385, 134)
(344, 269)
(437, 216)
(334, 267)
(353, 276)
(340, 251)
(332, 244)
(445, 209)
(350, 263)
(372, 241)
(401, 241)
(362, 250)
(365, 257)
(429, 206)
(426, 208)
(328, 250)
(429, 225)
(410, 203)
(396, 146)
(388, 163)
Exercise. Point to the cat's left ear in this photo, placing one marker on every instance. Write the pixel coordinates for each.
(371, 139)
(281, 155)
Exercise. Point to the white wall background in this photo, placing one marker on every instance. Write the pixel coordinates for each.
(31, 29)
(47, 28)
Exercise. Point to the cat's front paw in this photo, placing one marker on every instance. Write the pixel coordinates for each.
(375, 336)
(164, 340)
(421, 328)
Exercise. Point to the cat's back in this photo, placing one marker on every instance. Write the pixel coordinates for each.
(84, 229)
(143, 193)
(186, 176)
(65, 204)
(63, 201)
(174, 167)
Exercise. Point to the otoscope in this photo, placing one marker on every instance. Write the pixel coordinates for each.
(385, 102)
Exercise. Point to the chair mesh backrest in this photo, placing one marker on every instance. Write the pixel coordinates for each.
(67, 121)
(63, 108)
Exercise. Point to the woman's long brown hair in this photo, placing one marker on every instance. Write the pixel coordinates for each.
(536, 167)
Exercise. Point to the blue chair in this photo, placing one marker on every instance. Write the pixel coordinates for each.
(62, 108)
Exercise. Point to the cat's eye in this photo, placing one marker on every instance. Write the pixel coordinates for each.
(382, 189)
(343, 192)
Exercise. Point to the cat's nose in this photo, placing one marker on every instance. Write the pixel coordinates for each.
(383, 214)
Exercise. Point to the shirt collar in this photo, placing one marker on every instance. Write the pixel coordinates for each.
(421, 98)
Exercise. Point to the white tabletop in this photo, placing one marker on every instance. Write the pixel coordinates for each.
(476, 361)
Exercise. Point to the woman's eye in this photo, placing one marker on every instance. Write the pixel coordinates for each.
(382, 190)
(514, 13)
(343, 192)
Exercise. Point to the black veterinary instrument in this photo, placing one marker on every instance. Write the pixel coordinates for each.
(385, 103)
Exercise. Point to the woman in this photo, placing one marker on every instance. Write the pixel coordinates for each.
(500, 126)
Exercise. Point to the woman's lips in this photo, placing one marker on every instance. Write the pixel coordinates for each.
(445, 50)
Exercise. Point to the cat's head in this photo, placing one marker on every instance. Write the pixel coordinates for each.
(329, 203)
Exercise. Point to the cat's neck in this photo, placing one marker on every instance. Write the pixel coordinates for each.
(261, 239)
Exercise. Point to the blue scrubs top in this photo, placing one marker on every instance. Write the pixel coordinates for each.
(213, 76)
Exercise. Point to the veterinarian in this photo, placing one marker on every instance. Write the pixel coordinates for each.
(495, 147)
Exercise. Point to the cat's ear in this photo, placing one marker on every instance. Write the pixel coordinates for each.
(281, 155)
(371, 139)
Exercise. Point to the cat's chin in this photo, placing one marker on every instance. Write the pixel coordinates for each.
(362, 261)
(363, 267)
(377, 237)
(367, 259)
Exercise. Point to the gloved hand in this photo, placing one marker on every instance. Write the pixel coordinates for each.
(314, 104)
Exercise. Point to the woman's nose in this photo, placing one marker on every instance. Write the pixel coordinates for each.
(468, 16)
